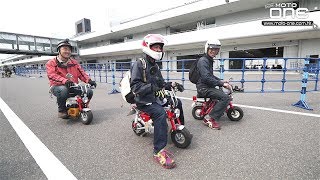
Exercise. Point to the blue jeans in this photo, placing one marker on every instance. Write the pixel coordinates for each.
(159, 117)
(221, 104)
(62, 94)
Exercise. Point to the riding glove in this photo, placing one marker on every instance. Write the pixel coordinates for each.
(69, 83)
(179, 87)
(92, 83)
(160, 94)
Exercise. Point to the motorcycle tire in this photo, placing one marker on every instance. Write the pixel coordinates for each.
(86, 117)
(181, 138)
(235, 113)
(196, 113)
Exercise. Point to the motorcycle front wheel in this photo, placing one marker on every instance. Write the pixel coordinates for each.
(181, 138)
(86, 117)
(235, 114)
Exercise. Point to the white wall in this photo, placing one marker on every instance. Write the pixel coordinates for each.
(291, 51)
(310, 47)
(243, 16)
(310, 4)
(141, 35)
(184, 52)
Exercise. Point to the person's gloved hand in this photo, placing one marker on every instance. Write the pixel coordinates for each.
(68, 83)
(92, 83)
(178, 86)
(160, 94)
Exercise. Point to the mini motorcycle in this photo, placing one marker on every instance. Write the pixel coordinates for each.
(202, 106)
(142, 124)
(78, 103)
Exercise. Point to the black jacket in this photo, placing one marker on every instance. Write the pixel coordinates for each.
(207, 79)
(143, 91)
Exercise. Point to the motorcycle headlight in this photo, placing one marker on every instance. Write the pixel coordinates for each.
(177, 113)
(85, 99)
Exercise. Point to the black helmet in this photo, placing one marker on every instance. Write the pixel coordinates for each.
(64, 43)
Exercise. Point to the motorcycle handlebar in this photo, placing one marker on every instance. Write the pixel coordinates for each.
(78, 85)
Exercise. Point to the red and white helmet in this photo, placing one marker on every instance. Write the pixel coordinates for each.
(150, 40)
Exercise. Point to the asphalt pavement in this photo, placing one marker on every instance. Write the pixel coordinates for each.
(265, 144)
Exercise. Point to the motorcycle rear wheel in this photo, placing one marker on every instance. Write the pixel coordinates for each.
(196, 112)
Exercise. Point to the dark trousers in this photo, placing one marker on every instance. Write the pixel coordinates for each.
(62, 94)
(159, 117)
(221, 104)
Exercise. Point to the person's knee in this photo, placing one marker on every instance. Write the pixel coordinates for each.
(225, 98)
(160, 114)
(61, 92)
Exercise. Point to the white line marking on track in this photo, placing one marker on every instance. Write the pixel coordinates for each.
(49, 164)
(269, 109)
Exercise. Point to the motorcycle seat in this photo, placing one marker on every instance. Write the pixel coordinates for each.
(199, 96)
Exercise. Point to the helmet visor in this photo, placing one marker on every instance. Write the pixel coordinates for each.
(214, 46)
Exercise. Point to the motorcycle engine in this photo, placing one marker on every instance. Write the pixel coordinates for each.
(71, 102)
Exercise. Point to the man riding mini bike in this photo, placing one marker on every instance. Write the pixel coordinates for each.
(64, 72)
(142, 124)
(202, 106)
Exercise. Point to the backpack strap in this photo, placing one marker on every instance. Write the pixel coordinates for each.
(144, 67)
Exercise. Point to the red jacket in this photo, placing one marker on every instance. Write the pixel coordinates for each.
(57, 73)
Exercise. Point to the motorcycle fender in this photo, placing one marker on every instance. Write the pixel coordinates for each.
(195, 104)
(180, 127)
(86, 109)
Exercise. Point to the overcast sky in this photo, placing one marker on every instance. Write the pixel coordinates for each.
(56, 18)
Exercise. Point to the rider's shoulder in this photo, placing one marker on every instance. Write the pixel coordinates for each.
(202, 60)
(52, 61)
(138, 62)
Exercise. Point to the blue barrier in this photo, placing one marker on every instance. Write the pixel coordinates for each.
(114, 90)
(112, 73)
(302, 103)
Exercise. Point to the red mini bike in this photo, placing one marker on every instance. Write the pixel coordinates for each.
(142, 124)
(202, 106)
(78, 103)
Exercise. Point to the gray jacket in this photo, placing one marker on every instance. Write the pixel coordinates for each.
(207, 79)
(144, 92)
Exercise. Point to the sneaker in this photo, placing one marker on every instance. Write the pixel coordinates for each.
(163, 157)
(211, 123)
(63, 115)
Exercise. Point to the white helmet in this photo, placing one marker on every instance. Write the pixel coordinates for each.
(212, 43)
(150, 40)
